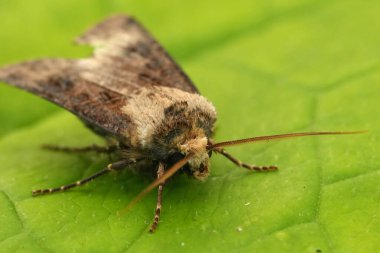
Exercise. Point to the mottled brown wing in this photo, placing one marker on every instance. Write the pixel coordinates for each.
(126, 57)
(59, 81)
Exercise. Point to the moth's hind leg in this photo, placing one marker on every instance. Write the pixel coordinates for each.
(92, 148)
(244, 165)
(111, 167)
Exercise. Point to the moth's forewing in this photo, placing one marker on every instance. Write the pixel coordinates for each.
(55, 80)
(125, 59)
(132, 56)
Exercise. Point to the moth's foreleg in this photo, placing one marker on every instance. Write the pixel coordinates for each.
(92, 148)
(111, 167)
(244, 165)
(157, 213)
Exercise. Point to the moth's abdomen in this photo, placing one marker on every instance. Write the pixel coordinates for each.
(163, 116)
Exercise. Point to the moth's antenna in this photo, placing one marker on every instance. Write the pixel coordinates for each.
(275, 137)
(158, 181)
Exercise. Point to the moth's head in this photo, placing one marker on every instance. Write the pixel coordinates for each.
(198, 164)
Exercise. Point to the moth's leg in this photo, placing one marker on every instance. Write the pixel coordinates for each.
(111, 167)
(244, 165)
(157, 213)
(92, 148)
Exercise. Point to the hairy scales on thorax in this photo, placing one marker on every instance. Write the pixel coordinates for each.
(166, 121)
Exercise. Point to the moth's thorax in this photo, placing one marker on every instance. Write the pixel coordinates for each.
(168, 120)
(164, 113)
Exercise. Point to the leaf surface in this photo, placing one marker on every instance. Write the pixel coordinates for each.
(269, 67)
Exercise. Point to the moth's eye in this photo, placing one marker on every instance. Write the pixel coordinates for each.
(201, 168)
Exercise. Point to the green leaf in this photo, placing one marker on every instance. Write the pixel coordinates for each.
(269, 67)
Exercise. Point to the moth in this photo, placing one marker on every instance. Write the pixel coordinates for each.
(133, 94)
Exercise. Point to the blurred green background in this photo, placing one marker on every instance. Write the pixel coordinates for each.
(269, 67)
